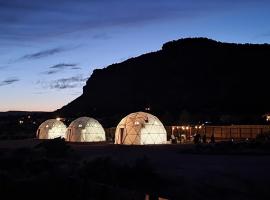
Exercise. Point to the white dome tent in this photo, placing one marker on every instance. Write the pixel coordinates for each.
(51, 129)
(140, 128)
(85, 129)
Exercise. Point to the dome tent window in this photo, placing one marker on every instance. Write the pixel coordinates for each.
(140, 128)
(137, 123)
(51, 129)
(85, 129)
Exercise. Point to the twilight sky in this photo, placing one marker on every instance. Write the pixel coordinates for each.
(49, 48)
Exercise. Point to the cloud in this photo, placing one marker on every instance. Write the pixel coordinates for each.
(75, 68)
(51, 19)
(64, 83)
(9, 81)
(42, 54)
(61, 67)
(50, 72)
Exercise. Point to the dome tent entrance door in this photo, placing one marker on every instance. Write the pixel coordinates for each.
(121, 135)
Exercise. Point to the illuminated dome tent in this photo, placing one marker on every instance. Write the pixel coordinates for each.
(85, 129)
(51, 129)
(140, 128)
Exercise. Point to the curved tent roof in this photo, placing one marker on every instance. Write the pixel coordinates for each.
(140, 128)
(50, 129)
(85, 129)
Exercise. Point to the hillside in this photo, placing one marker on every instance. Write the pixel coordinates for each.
(194, 79)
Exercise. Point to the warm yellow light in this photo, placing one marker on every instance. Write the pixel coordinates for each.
(200, 127)
(58, 118)
(196, 127)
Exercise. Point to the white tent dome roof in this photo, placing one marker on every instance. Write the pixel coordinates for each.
(85, 129)
(50, 129)
(84, 122)
(140, 128)
(51, 123)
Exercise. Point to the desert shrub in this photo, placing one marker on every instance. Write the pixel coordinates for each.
(55, 148)
(140, 176)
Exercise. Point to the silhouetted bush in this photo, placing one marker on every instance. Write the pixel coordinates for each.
(140, 176)
(55, 148)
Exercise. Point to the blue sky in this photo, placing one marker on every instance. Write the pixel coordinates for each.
(49, 48)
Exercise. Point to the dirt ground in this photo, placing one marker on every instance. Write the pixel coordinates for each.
(192, 176)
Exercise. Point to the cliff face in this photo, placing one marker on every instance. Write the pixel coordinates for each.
(198, 76)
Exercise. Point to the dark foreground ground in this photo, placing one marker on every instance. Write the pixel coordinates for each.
(54, 169)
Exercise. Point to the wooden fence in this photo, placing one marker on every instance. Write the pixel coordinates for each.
(222, 132)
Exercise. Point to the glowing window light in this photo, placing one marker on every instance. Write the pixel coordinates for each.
(80, 126)
(58, 118)
(137, 123)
